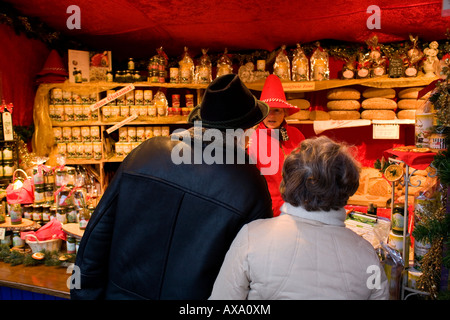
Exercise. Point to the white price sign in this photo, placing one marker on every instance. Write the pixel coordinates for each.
(386, 131)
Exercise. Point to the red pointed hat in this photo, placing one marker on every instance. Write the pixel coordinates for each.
(53, 65)
(273, 94)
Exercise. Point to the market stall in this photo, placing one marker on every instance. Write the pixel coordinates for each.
(105, 77)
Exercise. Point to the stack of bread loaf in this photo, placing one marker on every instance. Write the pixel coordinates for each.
(298, 100)
(379, 104)
(343, 104)
(408, 102)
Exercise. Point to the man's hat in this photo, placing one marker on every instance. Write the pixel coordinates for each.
(273, 94)
(229, 104)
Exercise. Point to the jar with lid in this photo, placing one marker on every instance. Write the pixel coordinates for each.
(37, 213)
(17, 241)
(7, 153)
(8, 169)
(39, 195)
(71, 214)
(38, 177)
(61, 215)
(27, 211)
(60, 177)
(46, 213)
(71, 245)
(15, 213)
(84, 218)
(48, 194)
(398, 215)
(2, 214)
(53, 212)
(70, 179)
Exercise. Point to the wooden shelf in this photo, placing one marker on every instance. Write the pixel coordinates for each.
(379, 82)
(155, 121)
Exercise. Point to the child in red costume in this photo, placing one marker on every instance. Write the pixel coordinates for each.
(274, 139)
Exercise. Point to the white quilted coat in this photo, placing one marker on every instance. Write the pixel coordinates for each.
(300, 255)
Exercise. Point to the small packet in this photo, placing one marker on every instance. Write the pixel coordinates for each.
(377, 60)
(300, 65)
(186, 68)
(160, 102)
(224, 65)
(163, 62)
(349, 68)
(282, 65)
(320, 64)
(363, 65)
(203, 74)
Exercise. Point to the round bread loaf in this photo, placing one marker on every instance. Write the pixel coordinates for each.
(387, 93)
(407, 114)
(412, 93)
(379, 104)
(344, 115)
(409, 103)
(300, 115)
(319, 115)
(343, 94)
(300, 103)
(378, 115)
(343, 105)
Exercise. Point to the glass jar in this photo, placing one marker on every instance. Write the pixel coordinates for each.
(61, 215)
(15, 213)
(2, 214)
(46, 217)
(71, 214)
(17, 241)
(84, 218)
(27, 211)
(398, 215)
(37, 213)
(71, 245)
(39, 194)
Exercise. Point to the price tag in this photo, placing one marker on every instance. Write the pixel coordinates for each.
(386, 131)
(2, 233)
(112, 97)
(122, 123)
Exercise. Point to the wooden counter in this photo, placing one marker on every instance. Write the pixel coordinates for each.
(41, 279)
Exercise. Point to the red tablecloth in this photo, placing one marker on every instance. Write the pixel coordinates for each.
(416, 160)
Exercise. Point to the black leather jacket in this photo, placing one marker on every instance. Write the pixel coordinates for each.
(161, 230)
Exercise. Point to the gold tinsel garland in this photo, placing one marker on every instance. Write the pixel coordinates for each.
(431, 263)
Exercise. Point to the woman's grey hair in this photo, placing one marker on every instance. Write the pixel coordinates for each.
(320, 174)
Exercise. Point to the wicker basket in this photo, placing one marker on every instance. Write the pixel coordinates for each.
(37, 245)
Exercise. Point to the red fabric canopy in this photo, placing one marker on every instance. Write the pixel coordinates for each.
(139, 27)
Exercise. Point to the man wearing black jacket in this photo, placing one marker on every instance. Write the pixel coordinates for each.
(165, 223)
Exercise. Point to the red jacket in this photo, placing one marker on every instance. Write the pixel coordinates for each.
(271, 169)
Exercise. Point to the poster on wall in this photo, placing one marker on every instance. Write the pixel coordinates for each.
(99, 63)
(88, 66)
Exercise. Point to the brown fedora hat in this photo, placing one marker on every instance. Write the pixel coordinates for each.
(229, 104)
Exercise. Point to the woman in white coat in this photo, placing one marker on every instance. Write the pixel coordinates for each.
(306, 252)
